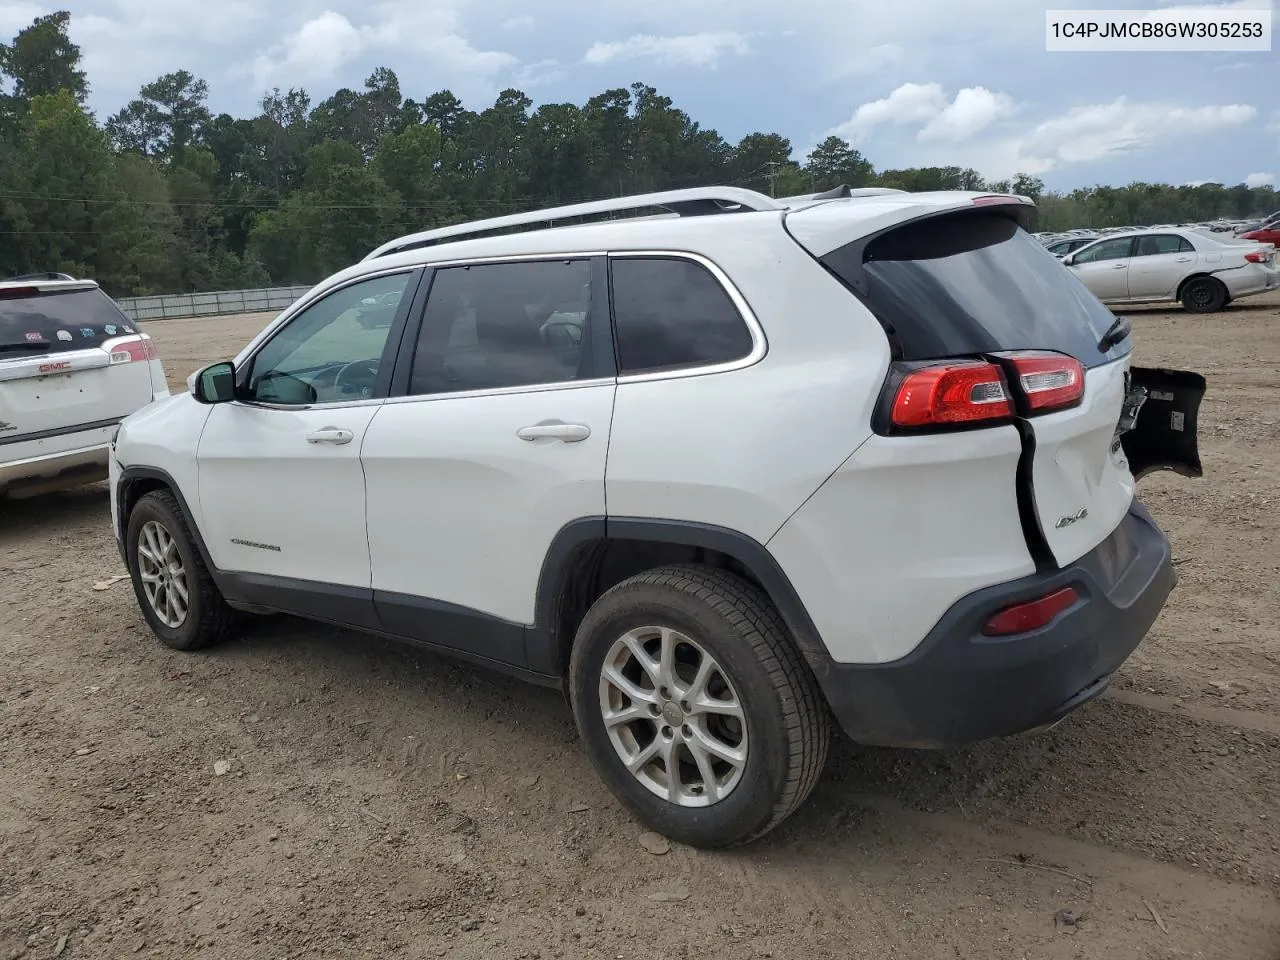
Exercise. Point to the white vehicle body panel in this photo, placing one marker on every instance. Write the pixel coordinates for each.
(906, 527)
(1082, 488)
(462, 510)
(275, 502)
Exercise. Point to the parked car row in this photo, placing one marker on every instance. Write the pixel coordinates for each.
(1203, 271)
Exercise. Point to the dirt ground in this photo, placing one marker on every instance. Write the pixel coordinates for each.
(305, 792)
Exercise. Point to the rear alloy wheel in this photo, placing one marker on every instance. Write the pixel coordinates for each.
(695, 707)
(1204, 295)
(673, 717)
(178, 598)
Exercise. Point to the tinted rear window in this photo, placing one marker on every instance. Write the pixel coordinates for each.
(58, 321)
(672, 313)
(974, 283)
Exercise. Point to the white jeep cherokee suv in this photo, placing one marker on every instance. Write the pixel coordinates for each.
(728, 474)
(72, 365)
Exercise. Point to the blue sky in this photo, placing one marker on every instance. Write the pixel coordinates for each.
(910, 82)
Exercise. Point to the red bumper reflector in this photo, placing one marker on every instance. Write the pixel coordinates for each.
(1032, 615)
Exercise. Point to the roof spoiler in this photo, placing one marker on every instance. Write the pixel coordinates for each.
(842, 192)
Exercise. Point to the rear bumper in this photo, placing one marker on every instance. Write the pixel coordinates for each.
(29, 467)
(960, 687)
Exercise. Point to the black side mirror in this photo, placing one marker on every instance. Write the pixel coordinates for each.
(215, 384)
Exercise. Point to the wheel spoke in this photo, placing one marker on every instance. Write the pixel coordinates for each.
(179, 606)
(718, 749)
(646, 756)
(636, 711)
(667, 660)
(698, 688)
(636, 693)
(647, 663)
(671, 760)
(725, 708)
(710, 788)
(179, 586)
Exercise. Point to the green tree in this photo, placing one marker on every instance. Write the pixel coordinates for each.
(834, 162)
(42, 59)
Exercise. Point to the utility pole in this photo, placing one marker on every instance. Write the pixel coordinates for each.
(772, 176)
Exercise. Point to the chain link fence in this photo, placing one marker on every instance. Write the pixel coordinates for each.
(177, 305)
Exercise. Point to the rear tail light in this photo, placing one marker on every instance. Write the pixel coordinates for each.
(1049, 381)
(1258, 257)
(961, 392)
(139, 348)
(1032, 615)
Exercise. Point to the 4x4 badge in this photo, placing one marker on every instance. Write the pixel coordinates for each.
(1073, 518)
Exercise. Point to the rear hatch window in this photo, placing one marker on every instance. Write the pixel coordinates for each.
(970, 283)
(57, 321)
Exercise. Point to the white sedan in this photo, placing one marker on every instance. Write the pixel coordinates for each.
(1202, 271)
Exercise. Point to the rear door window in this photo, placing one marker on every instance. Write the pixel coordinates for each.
(34, 321)
(1154, 246)
(499, 325)
(972, 283)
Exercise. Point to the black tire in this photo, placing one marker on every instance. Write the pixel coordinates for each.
(1204, 295)
(787, 722)
(209, 619)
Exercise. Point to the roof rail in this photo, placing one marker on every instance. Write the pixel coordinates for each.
(47, 275)
(696, 201)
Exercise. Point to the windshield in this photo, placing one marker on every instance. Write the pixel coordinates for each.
(976, 282)
(57, 321)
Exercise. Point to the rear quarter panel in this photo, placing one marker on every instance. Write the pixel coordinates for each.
(743, 449)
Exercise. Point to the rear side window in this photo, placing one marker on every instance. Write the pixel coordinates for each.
(499, 325)
(57, 321)
(670, 313)
(973, 283)
(1153, 246)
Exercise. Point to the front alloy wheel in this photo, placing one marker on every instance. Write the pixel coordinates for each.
(163, 576)
(673, 716)
(175, 592)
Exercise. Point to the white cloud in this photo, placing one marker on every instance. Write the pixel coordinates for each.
(1096, 131)
(539, 73)
(925, 105)
(314, 51)
(972, 111)
(947, 130)
(15, 17)
(1260, 180)
(323, 45)
(911, 103)
(518, 23)
(693, 50)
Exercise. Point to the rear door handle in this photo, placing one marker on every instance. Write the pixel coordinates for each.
(330, 435)
(555, 430)
(1185, 259)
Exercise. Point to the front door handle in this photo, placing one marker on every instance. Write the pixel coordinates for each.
(555, 430)
(330, 435)
(1119, 266)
